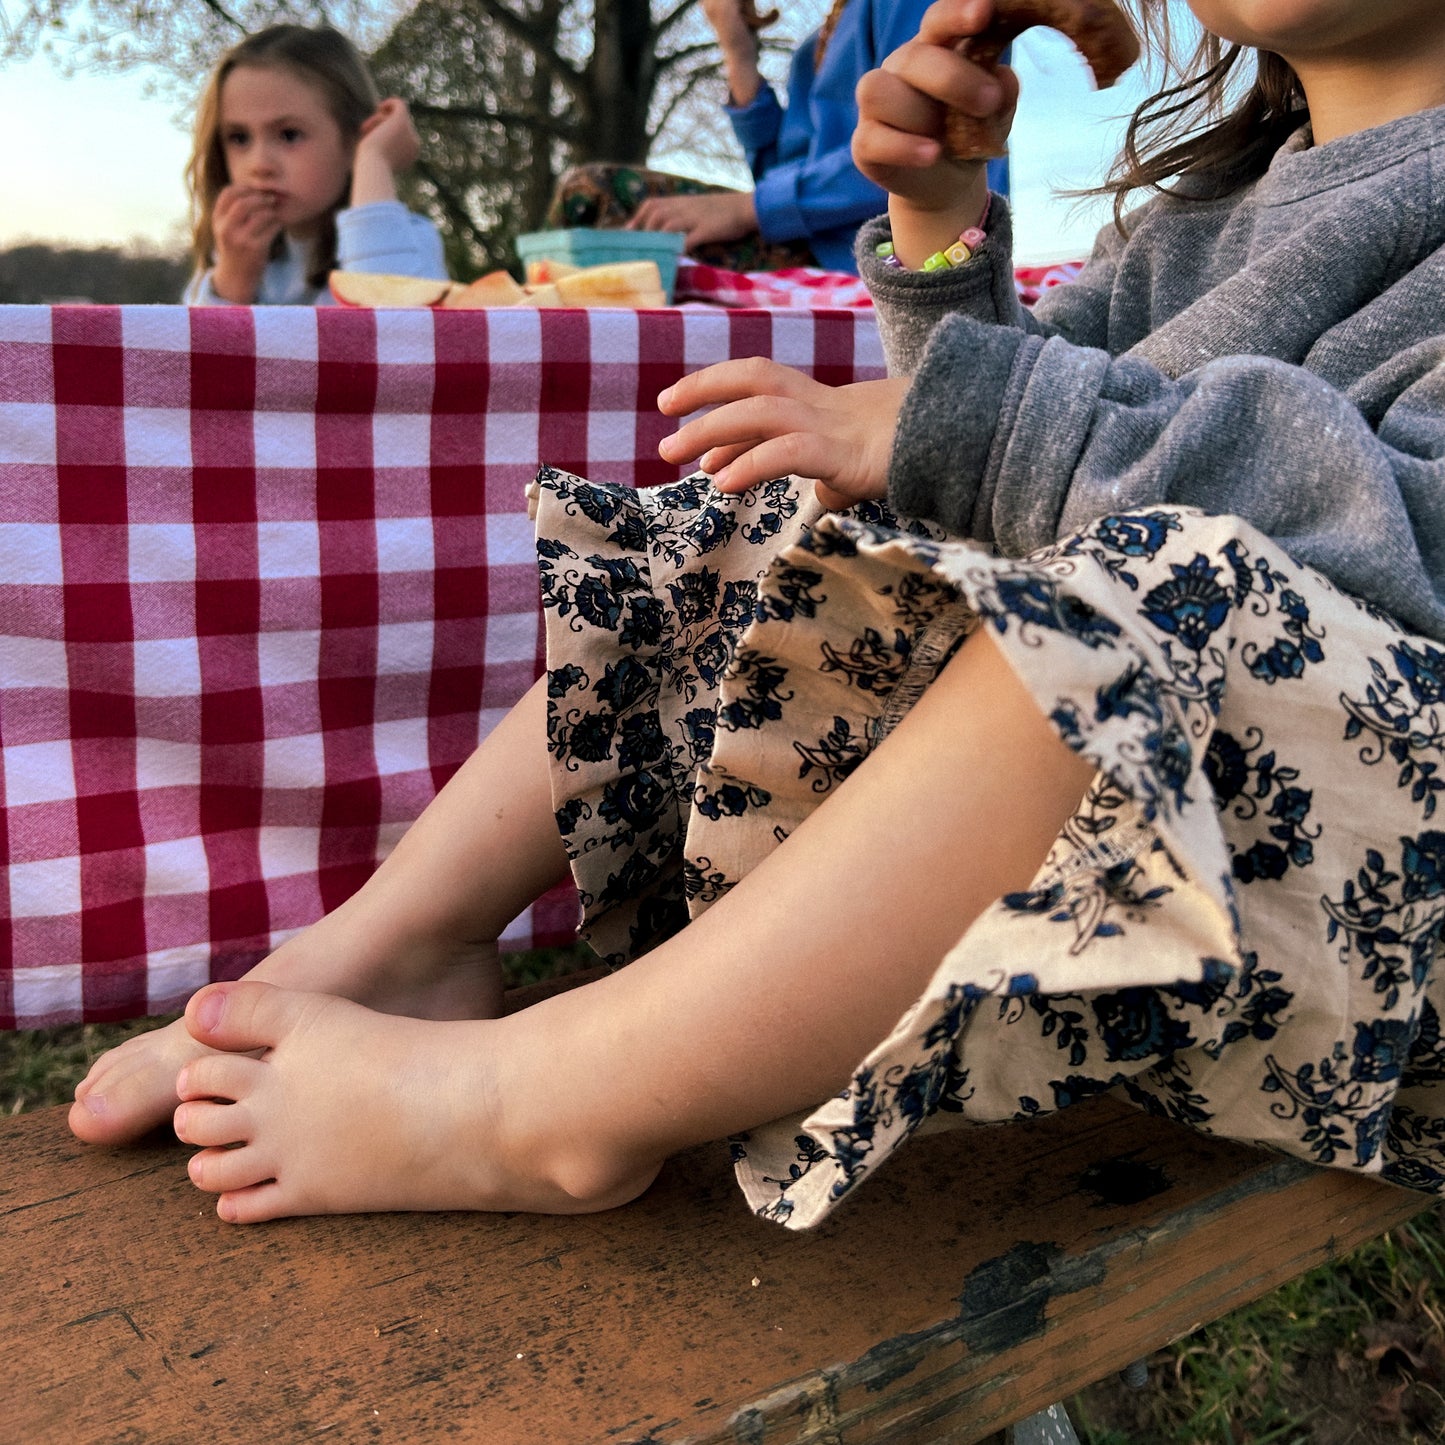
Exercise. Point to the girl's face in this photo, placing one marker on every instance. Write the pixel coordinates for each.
(1361, 62)
(279, 138)
(1366, 31)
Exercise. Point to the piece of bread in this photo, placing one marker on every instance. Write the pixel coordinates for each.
(1099, 29)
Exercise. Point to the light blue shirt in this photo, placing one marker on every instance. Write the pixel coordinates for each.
(382, 237)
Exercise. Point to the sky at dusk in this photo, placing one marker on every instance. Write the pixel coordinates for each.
(100, 162)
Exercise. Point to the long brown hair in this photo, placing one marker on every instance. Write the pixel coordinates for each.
(323, 58)
(1216, 121)
(825, 31)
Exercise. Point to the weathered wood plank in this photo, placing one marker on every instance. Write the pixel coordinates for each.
(977, 1279)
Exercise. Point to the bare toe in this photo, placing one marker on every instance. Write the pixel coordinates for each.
(223, 1171)
(131, 1089)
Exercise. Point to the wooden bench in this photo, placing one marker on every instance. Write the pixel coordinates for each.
(979, 1278)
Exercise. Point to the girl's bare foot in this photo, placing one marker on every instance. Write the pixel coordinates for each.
(320, 1106)
(130, 1090)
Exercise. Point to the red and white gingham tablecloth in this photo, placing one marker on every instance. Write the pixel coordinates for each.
(266, 577)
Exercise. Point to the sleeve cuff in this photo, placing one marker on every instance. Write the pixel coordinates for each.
(386, 236)
(943, 453)
(757, 123)
(775, 199)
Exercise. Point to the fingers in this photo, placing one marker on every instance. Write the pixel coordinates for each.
(898, 126)
(392, 109)
(832, 500)
(937, 71)
(769, 420)
(389, 131)
(666, 213)
(794, 453)
(732, 381)
(946, 22)
(901, 139)
(753, 399)
(712, 216)
(245, 218)
(734, 427)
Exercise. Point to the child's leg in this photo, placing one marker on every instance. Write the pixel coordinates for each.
(418, 939)
(760, 1007)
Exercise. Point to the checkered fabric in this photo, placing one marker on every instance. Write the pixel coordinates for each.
(805, 286)
(1032, 281)
(266, 577)
(793, 286)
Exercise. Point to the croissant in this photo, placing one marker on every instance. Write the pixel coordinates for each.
(1099, 29)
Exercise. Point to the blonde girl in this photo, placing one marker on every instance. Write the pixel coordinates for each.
(293, 174)
(1114, 767)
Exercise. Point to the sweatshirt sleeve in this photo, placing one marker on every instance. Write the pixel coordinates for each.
(1016, 438)
(386, 237)
(910, 304)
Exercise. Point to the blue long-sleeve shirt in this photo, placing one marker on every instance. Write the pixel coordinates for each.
(806, 187)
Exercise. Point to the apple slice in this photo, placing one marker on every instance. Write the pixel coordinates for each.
(541, 294)
(373, 288)
(496, 288)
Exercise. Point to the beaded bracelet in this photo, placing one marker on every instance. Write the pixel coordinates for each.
(955, 255)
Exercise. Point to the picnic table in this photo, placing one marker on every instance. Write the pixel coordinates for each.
(266, 579)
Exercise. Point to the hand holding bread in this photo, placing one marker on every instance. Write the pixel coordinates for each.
(1099, 29)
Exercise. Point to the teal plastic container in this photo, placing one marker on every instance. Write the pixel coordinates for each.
(583, 247)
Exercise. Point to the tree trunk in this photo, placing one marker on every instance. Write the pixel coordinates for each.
(621, 76)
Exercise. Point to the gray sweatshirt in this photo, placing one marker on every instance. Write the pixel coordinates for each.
(1276, 353)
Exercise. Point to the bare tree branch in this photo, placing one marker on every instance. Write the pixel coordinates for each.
(690, 87)
(549, 126)
(224, 14)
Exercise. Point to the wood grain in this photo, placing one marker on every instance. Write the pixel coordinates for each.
(982, 1275)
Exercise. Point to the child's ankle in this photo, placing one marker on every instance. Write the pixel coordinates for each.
(573, 1168)
(591, 1182)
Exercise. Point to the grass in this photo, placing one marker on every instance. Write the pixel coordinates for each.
(1349, 1354)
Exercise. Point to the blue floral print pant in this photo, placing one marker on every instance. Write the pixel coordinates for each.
(1238, 928)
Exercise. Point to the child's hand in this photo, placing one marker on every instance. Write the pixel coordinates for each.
(738, 41)
(714, 216)
(899, 140)
(733, 33)
(771, 420)
(388, 144)
(389, 134)
(245, 226)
